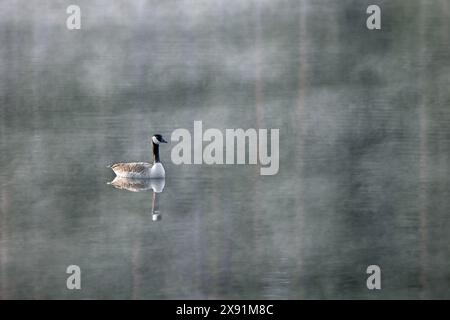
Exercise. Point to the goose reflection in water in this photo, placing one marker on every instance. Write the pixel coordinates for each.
(138, 185)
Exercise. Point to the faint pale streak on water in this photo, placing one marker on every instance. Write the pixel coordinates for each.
(364, 149)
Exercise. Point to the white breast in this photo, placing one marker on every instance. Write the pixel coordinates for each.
(157, 171)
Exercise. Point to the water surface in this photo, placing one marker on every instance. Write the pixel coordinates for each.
(364, 149)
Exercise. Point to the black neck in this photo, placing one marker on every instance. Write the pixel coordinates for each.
(155, 152)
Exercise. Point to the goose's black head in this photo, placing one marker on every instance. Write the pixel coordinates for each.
(157, 139)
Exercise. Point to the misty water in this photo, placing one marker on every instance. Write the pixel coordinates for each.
(364, 149)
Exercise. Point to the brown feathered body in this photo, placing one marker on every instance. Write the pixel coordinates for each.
(132, 169)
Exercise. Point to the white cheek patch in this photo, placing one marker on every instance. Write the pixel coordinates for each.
(155, 140)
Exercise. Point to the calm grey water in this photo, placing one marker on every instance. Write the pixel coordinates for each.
(364, 149)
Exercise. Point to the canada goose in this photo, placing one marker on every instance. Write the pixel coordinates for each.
(143, 170)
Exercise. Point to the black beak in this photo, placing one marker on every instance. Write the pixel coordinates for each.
(163, 141)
